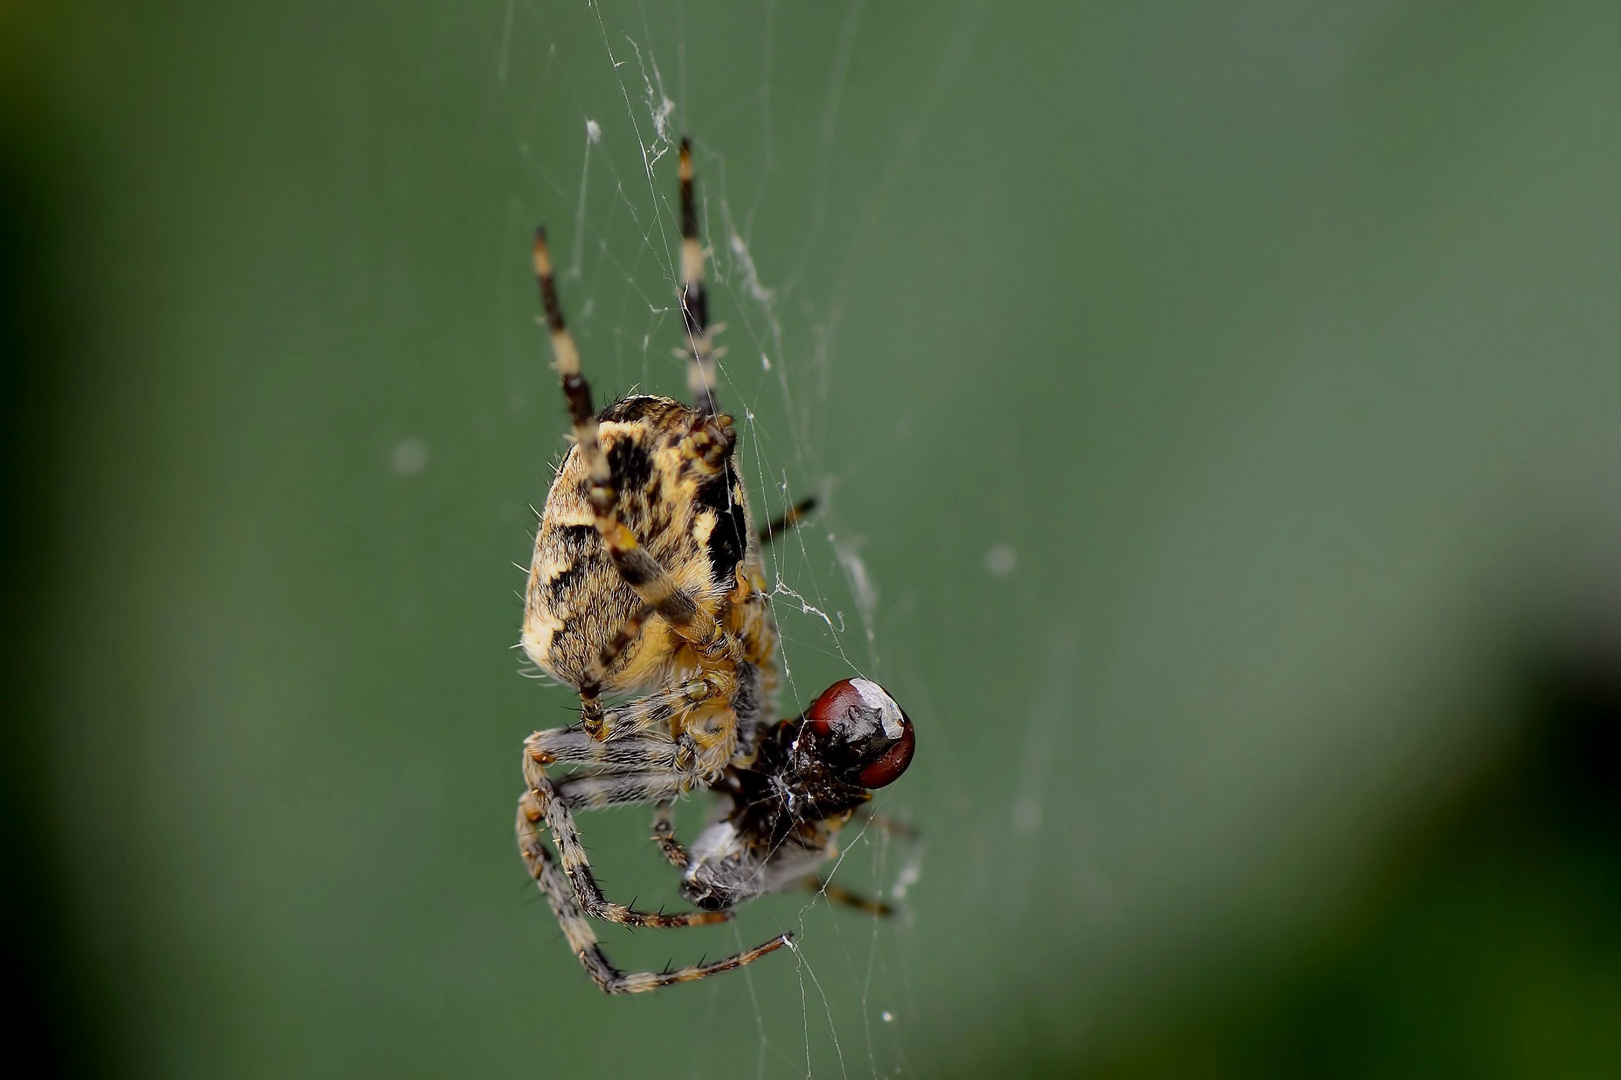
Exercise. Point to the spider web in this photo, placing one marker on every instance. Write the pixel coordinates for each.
(785, 242)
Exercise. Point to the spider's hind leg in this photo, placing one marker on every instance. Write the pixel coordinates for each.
(583, 940)
(664, 834)
(694, 299)
(790, 519)
(542, 803)
(840, 895)
(637, 762)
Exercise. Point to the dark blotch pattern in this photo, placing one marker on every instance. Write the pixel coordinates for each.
(566, 579)
(632, 465)
(729, 540)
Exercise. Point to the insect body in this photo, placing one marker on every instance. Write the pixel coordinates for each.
(808, 777)
(646, 583)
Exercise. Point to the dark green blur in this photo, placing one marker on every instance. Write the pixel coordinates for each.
(1217, 412)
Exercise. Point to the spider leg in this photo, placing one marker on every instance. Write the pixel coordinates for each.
(840, 895)
(571, 746)
(628, 632)
(575, 746)
(790, 519)
(885, 824)
(664, 834)
(597, 791)
(543, 803)
(660, 710)
(694, 300)
(631, 770)
(583, 939)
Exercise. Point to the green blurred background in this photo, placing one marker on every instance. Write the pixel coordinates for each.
(1216, 409)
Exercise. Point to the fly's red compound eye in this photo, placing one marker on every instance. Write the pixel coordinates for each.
(888, 768)
(857, 718)
(829, 713)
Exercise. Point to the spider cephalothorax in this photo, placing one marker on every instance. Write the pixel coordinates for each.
(646, 580)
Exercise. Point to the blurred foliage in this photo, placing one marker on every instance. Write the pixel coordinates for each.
(1485, 943)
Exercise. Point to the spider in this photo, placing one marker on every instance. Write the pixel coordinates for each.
(646, 580)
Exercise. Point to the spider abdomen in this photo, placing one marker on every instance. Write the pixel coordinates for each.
(678, 493)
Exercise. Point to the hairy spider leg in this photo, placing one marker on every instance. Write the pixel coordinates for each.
(656, 713)
(664, 834)
(790, 519)
(671, 707)
(885, 824)
(694, 300)
(635, 760)
(590, 790)
(576, 746)
(840, 895)
(583, 940)
(542, 803)
(627, 633)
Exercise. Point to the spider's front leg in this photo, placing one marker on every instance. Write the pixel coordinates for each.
(543, 803)
(583, 940)
(662, 711)
(838, 894)
(791, 519)
(647, 767)
(664, 834)
(573, 893)
(698, 712)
